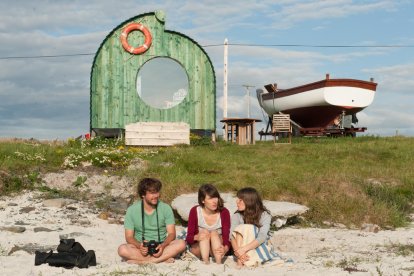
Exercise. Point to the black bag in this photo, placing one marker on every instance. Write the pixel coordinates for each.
(70, 254)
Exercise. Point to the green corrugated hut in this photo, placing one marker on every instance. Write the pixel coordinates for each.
(114, 99)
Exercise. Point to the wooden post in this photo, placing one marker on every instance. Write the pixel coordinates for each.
(253, 132)
(226, 46)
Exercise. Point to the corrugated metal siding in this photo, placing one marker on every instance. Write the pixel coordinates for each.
(114, 99)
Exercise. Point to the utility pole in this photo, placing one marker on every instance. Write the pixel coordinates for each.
(226, 46)
(248, 98)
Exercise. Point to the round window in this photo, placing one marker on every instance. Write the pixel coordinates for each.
(162, 83)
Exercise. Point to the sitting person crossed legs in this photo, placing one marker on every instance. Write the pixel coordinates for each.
(209, 226)
(150, 228)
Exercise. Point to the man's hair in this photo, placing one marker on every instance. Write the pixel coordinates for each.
(148, 185)
(211, 191)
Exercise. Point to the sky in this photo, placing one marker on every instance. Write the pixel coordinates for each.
(48, 98)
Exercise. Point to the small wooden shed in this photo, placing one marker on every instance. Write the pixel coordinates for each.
(114, 101)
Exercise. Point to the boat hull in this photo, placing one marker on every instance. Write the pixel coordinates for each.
(318, 104)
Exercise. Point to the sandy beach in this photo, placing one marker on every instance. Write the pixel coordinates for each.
(27, 225)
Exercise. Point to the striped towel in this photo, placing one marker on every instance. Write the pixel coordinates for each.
(263, 253)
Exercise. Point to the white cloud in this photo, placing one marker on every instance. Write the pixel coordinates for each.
(50, 97)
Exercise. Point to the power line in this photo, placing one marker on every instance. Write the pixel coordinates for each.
(230, 44)
(311, 45)
(47, 56)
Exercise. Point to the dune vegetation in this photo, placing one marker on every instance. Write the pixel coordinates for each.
(343, 180)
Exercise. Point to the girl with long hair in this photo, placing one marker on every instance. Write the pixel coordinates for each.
(209, 226)
(250, 226)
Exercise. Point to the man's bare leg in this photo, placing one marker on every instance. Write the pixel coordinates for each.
(134, 256)
(173, 249)
(130, 252)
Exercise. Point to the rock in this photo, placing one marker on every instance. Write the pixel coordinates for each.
(368, 227)
(19, 222)
(104, 215)
(279, 222)
(86, 164)
(339, 225)
(284, 209)
(114, 221)
(118, 205)
(72, 235)
(278, 209)
(42, 229)
(327, 223)
(57, 202)
(166, 164)
(95, 183)
(82, 222)
(31, 248)
(12, 204)
(26, 209)
(14, 229)
(137, 164)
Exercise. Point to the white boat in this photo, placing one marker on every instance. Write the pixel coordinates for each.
(318, 104)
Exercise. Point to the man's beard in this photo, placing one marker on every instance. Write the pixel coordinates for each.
(150, 203)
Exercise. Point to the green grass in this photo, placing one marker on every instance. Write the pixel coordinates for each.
(345, 180)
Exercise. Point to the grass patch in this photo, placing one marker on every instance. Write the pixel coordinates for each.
(344, 180)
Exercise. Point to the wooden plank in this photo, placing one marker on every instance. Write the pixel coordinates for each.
(152, 142)
(157, 126)
(157, 134)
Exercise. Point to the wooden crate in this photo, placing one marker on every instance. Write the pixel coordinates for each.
(157, 134)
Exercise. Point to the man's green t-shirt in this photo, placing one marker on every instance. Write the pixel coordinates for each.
(133, 221)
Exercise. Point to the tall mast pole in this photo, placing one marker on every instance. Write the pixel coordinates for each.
(226, 45)
(248, 98)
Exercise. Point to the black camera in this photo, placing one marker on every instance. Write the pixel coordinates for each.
(152, 247)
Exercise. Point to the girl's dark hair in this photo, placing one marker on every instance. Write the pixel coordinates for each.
(150, 185)
(254, 206)
(211, 191)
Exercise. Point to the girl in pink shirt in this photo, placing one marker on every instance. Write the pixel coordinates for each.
(209, 226)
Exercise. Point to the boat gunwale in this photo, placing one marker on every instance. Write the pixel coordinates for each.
(369, 85)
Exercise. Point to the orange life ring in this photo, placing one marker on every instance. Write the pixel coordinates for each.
(124, 38)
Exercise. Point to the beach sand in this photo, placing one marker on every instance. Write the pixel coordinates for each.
(314, 251)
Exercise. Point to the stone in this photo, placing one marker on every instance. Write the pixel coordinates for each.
(278, 209)
(368, 227)
(19, 222)
(42, 229)
(279, 222)
(72, 235)
(118, 205)
(339, 225)
(55, 202)
(14, 229)
(104, 215)
(26, 209)
(31, 248)
(137, 164)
